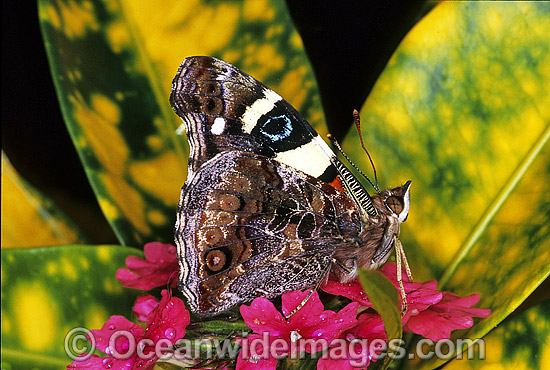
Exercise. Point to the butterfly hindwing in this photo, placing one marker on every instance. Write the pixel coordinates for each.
(252, 226)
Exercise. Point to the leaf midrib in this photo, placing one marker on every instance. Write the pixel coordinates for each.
(495, 205)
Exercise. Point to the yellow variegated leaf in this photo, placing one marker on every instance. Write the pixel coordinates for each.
(462, 110)
(522, 342)
(52, 295)
(29, 219)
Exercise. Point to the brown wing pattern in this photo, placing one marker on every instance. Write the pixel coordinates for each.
(248, 224)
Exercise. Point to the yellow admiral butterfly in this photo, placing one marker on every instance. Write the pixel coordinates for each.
(267, 207)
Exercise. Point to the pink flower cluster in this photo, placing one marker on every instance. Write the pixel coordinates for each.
(431, 313)
(166, 319)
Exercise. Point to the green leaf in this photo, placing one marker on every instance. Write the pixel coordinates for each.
(462, 110)
(113, 63)
(24, 209)
(46, 292)
(385, 300)
(522, 342)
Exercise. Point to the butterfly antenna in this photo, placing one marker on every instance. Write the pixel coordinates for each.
(337, 145)
(357, 120)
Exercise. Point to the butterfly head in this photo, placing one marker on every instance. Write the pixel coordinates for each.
(397, 201)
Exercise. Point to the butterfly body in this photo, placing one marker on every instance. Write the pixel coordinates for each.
(262, 212)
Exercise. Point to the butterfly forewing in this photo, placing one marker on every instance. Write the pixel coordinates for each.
(233, 111)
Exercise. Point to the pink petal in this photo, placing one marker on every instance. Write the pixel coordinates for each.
(369, 326)
(137, 264)
(420, 300)
(101, 363)
(451, 313)
(262, 360)
(247, 364)
(261, 316)
(145, 304)
(329, 324)
(329, 363)
(159, 268)
(291, 300)
(169, 320)
(114, 324)
(158, 252)
(352, 290)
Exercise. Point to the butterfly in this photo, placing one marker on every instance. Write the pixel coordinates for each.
(267, 207)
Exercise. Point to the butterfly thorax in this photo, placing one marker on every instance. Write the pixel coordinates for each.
(371, 247)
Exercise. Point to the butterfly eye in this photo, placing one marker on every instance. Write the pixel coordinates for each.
(395, 204)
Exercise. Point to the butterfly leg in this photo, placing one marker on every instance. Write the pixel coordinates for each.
(400, 254)
(313, 290)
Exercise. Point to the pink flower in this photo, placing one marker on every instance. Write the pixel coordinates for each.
(434, 314)
(419, 295)
(363, 343)
(275, 336)
(144, 306)
(450, 313)
(159, 268)
(128, 345)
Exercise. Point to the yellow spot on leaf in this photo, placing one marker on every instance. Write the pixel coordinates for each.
(257, 10)
(96, 316)
(441, 250)
(50, 14)
(106, 108)
(77, 18)
(162, 177)
(296, 41)
(494, 22)
(103, 253)
(69, 270)
(261, 60)
(207, 30)
(231, 56)
(545, 355)
(431, 33)
(52, 268)
(36, 319)
(156, 218)
(128, 200)
(112, 286)
(84, 263)
(99, 125)
(109, 210)
(118, 36)
(155, 142)
(397, 117)
(494, 347)
(291, 87)
(22, 207)
(6, 324)
(273, 31)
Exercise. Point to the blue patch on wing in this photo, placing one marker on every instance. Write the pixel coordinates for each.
(277, 128)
